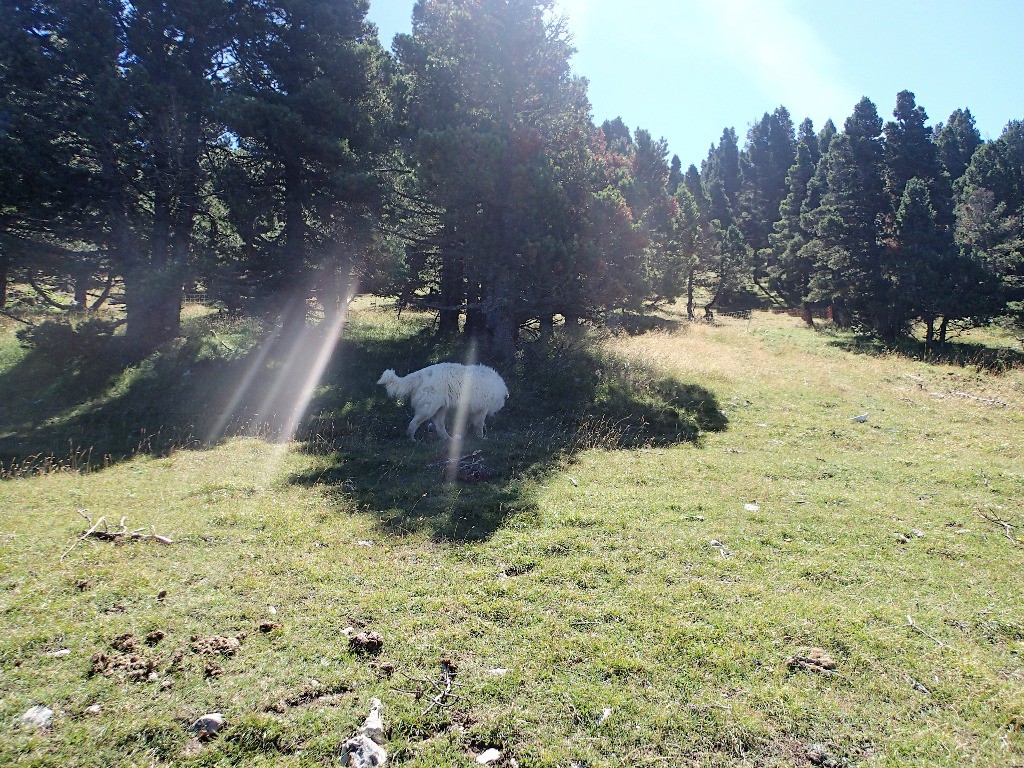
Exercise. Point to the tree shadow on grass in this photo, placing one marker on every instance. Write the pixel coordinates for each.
(81, 402)
(563, 400)
(217, 382)
(957, 353)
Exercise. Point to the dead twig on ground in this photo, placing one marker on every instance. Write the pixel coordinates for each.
(1004, 524)
(441, 688)
(916, 628)
(986, 400)
(122, 534)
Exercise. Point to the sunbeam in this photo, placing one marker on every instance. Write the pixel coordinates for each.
(243, 387)
(266, 414)
(461, 411)
(316, 371)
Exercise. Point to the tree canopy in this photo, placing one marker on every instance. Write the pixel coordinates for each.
(273, 155)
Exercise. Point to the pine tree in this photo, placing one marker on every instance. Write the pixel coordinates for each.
(696, 210)
(919, 261)
(792, 265)
(764, 163)
(825, 136)
(310, 107)
(806, 135)
(911, 153)
(499, 130)
(675, 175)
(721, 178)
(846, 226)
(136, 88)
(990, 213)
(957, 140)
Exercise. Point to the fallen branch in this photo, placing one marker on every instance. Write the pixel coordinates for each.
(916, 628)
(442, 687)
(123, 534)
(5, 313)
(986, 400)
(465, 469)
(1006, 526)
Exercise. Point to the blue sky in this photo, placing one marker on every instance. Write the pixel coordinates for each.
(686, 69)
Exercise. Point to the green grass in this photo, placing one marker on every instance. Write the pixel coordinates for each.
(586, 568)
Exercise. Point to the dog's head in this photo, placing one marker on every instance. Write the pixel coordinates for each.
(387, 377)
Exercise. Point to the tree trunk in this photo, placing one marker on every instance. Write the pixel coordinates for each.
(929, 337)
(476, 323)
(5, 271)
(153, 303)
(335, 291)
(806, 314)
(500, 317)
(691, 313)
(943, 327)
(81, 276)
(105, 294)
(294, 223)
(501, 334)
(453, 293)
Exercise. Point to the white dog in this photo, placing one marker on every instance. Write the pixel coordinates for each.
(474, 391)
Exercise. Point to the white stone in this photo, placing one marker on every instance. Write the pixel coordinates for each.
(207, 725)
(37, 717)
(488, 756)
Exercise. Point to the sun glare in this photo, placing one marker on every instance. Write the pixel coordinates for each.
(284, 388)
(461, 413)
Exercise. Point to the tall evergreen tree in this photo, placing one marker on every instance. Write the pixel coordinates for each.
(36, 167)
(790, 270)
(721, 177)
(805, 134)
(310, 104)
(846, 226)
(911, 153)
(764, 163)
(825, 136)
(696, 209)
(499, 132)
(957, 141)
(919, 261)
(675, 175)
(991, 211)
(142, 82)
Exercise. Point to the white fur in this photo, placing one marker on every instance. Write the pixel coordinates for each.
(475, 390)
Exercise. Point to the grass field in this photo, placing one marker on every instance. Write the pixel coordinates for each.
(678, 523)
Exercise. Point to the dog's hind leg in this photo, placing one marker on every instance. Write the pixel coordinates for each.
(415, 424)
(477, 422)
(438, 421)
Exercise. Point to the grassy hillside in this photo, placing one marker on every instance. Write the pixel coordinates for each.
(641, 582)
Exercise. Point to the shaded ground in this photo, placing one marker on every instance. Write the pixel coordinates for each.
(79, 402)
(960, 353)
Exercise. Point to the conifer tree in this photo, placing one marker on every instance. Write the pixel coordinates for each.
(499, 130)
(919, 264)
(846, 226)
(721, 178)
(764, 163)
(790, 270)
(911, 153)
(806, 135)
(136, 90)
(957, 141)
(310, 105)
